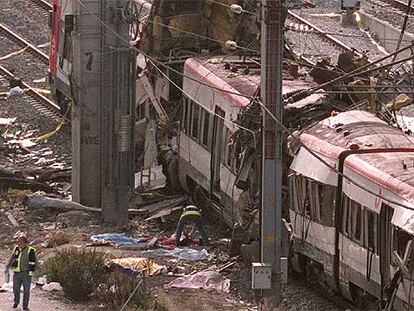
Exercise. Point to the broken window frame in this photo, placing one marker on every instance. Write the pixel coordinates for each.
(326, 204)
(185, 107)
(403, 257)
(189, 117)
(314, 199)
(355, 222)
(298, 199)
(205, 128)
(195, 121)
(371, 221)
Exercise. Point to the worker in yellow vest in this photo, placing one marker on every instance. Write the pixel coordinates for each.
(190, 216)
(23, 262)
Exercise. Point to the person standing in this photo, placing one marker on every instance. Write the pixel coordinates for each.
(24, 264)
(191, 215)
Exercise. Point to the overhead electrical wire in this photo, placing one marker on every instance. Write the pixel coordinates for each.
(266, 109)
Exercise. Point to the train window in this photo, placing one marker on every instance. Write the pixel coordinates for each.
(230, 155)
(352, 223)
(298, 191)
(345, 213)
(195, 121)
(184, 114)
(206, 126)
(326, 203)
(307, 204)
(356, 221)
(371, 238)
(190, 108)
(314, 195)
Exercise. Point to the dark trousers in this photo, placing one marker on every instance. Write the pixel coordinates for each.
(19, 279)
(198, 222)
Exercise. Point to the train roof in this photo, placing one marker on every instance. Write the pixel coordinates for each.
(362, 130)
(238, 76)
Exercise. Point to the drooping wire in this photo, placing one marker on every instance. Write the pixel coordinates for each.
(265, 109)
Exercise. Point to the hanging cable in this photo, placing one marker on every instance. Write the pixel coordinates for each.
(284, 128)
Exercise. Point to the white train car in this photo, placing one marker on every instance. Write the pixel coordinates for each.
(211, 105)
(348, 237)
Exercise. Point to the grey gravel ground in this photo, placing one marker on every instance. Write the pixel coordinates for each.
(30, 22)
(297, 295)
(386, 12)
(327, 17)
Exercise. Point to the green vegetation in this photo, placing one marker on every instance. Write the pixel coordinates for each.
(79, 272)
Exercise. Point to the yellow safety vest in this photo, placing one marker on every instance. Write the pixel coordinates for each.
(16, 265)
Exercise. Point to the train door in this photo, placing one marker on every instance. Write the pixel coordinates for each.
(385, 242)
(217, 150)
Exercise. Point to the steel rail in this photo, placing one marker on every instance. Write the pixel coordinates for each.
(23, 43)
(400, 5)
(42, 4)
(32, 92)
(320, 32)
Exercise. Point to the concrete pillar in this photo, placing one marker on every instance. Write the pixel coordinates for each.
(86, 84)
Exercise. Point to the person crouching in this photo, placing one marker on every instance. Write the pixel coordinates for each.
(190, 216)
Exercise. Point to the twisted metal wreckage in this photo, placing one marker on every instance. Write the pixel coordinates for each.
(208, 87)
(200, 115)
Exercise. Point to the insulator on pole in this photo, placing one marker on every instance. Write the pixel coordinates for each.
(231, 45)
(235, 8)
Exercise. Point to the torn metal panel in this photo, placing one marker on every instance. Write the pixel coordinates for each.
(194, 25)
(150, 92)
(151, 153)
(306, 164)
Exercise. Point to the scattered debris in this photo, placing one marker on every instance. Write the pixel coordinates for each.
(206, 279)
(179, 253)
(56, 239)
(52, 286)
(164, 204)
(40, 201)
(13, 220)
(164, 212)
(6, 287)
(73, 219)
(116, 239)
(16, 91)
(131, 265)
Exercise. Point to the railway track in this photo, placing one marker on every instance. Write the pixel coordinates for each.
(24, 44)
(396, 4)
(314, 43)
(42, 4)
(43, 104)
(319, 32)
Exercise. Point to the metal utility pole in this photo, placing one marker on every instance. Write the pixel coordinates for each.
(103, 112)
(271, 96)
(118, 101)
(86, 109)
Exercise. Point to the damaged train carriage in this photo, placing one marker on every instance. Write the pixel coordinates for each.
(346, 236)
(220, 136)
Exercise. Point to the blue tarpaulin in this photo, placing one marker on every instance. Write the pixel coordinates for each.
(117, 238)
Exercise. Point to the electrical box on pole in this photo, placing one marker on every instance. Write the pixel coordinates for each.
(272, 168)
